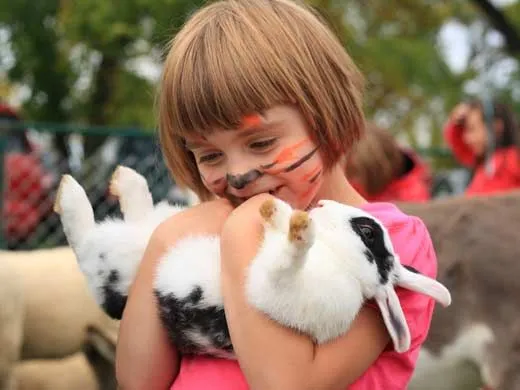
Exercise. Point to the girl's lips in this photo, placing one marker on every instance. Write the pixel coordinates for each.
(237, 200)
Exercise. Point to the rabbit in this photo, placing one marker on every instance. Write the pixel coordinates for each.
(313, 271)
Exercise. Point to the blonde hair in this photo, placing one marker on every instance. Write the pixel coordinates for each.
(376, 160)
(236, 57)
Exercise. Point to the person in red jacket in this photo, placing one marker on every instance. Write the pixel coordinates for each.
(384, 171)
(483, 136)
(26, 193)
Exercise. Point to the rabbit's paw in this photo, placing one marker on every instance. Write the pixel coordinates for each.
(125, 180)
(135, 199)
(276, 214)
(301, 229)
(70, 195)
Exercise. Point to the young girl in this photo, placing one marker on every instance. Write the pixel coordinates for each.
(259, 99)
(482, 136)
(384, 171)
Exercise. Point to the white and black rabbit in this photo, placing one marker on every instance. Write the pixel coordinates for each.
(313, 271)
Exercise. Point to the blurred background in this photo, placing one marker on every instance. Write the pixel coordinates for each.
(78, 80)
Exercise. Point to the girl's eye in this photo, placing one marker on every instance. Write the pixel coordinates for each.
(209, 158)
(261, 145)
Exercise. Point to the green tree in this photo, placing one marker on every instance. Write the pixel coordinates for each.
(76, 56)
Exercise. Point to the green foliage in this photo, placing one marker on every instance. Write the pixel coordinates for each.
(409, 85)
(74, 55)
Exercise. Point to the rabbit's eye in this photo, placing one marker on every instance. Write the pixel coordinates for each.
(367, 232)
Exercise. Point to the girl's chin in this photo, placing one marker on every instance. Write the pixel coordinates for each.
(297, 202)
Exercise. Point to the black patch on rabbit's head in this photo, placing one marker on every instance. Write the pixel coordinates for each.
(114, 302)
(373, 236)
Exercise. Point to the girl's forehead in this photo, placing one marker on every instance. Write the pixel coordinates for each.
(282, 117)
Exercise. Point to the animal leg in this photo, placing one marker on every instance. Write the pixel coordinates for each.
(301, 231)
(276, 215)
(134, 195)
(75, 211)
(288, 235)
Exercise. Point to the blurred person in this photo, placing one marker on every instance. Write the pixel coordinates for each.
(27, 184)
(384, 171)
(483, 137)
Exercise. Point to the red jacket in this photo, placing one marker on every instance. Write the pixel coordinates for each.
(414, 186)
(26, 196)
(504, 163)
(26, 191)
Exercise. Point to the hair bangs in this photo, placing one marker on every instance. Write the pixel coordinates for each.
(220, 79)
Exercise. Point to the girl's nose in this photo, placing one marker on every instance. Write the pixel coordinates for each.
(240, 181)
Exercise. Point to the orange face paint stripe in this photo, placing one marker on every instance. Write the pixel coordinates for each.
(253, 120)
(311, 173)
(291, 167)
(288, 153)
(309, 190)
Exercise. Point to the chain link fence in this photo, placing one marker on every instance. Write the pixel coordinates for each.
(36, 155)
(33, 164)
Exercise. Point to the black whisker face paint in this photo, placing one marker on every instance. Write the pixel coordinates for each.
(291, 167)
(315, 177)
(299, 162)
(240, 181)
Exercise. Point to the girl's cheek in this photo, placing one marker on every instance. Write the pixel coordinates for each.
(214, 180)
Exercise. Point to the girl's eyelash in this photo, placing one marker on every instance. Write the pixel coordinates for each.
(262, 144)
(208, 157)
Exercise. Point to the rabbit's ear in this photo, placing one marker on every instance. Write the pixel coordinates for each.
(423, 284)
(394, 319)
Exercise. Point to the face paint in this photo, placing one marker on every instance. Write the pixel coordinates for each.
(292, 166)
(312, 173)
(312, 187)
(287, 154)
(240, 181)
(315, 177)
(253, 120)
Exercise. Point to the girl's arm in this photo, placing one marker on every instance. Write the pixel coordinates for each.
(274, 357)
(145, 357)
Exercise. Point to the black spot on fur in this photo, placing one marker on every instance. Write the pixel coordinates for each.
(411, 269)
(373, 237)
(102, 256)
(115, 302)
(113, 277)
(195, 295)
(188, 320)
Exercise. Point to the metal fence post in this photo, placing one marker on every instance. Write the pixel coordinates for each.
(3, 144)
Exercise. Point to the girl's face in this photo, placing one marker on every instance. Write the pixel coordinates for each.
(271, 152)
(475, 134)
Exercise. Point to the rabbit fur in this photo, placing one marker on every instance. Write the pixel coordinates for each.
(313, 271)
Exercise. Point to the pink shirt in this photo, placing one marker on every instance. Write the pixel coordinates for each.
(391, 371)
